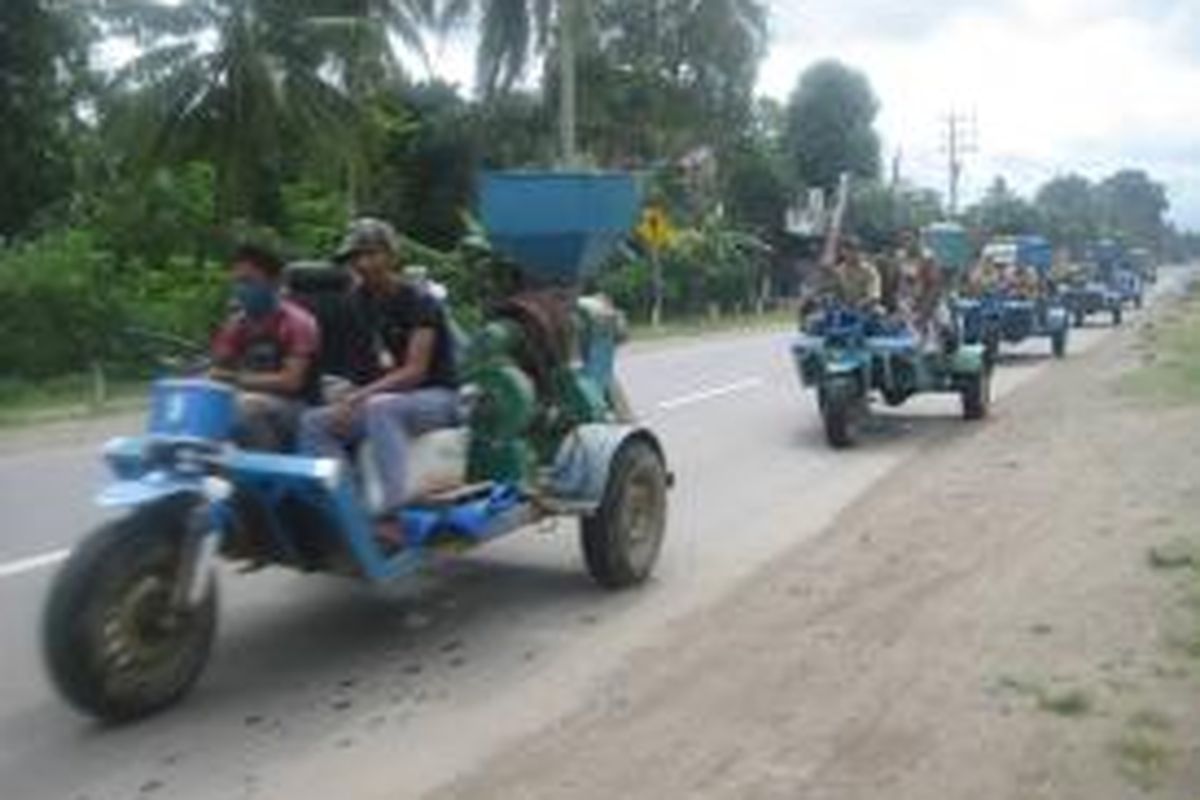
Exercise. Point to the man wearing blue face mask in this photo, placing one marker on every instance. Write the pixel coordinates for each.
(267, 350)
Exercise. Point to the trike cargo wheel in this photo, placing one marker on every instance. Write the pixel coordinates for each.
(1058, 344)
(977, 395)
(1118, 317)
(114, 646)
(841, 413)
(1080, 319)
(621, 541)
(991, 350)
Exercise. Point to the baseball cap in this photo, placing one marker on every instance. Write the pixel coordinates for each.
(368, 233)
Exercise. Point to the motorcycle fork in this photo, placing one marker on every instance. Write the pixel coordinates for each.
(205, 524)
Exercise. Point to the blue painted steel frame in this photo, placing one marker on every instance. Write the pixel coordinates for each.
(1014, 319)
(328, 488)
(809, 350)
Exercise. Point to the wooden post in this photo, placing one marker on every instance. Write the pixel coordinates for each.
(656, 307)
(99, 394)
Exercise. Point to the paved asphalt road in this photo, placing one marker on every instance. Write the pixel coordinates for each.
(320, 688)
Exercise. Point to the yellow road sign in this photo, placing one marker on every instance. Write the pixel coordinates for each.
(656, 229)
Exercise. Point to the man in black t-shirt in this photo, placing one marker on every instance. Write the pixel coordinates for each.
(402, 364)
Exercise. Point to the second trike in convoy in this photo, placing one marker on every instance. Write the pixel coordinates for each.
(851, 357)
(1015, 309)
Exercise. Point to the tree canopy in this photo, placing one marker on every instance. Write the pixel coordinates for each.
(125, 183)
(41, 56)
(830, 126)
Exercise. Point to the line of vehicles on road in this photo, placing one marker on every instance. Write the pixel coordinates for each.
(853, 352)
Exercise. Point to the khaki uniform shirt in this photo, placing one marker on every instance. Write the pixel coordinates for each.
(857, 284)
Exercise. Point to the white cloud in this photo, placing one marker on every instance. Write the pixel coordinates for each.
(1056, 85)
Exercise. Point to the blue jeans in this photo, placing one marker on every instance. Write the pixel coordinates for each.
(389, 421)
(266, 422)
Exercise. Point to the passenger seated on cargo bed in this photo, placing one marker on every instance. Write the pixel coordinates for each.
(983, 279)
(404, 371)
(924, 308)
(853, 281)
(267, 351)
(1029, 285)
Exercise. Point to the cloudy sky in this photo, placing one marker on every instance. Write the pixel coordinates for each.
(1055, 86)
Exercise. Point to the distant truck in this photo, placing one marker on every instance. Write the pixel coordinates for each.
(1021, 251)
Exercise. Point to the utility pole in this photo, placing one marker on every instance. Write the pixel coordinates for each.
(568, 31)
(962, 139)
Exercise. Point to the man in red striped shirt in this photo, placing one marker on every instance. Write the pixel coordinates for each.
(267, 349)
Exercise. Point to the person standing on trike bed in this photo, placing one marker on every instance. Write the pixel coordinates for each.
(267, 351)
(405, 374)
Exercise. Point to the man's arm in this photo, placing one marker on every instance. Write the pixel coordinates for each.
(288, 381)
(224, 351)
(874, 287)
(411, 374)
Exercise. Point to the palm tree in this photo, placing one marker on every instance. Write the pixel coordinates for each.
(239, 83)
(511, 32)
(711, 47)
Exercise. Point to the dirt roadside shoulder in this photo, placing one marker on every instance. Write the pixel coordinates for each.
(1010, 616)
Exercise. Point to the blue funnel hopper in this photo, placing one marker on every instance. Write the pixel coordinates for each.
(557, 227)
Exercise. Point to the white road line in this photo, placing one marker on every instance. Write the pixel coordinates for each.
(710, 394)
(15, 568)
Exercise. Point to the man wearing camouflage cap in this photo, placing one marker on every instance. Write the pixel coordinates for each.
(405, 375)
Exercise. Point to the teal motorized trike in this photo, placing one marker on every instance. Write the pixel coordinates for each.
(1085, 297)
(850, 357)
(132, 615)
(1105, 285)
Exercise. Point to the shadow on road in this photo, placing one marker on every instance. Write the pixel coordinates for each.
(324, 655)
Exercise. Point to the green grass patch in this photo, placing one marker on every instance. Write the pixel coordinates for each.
(1171, 350)
(24, 402)
(1143, 757)
(1066, 703)
(1150, 719)
(1069, 702)
(700, 326)
(1178, 554)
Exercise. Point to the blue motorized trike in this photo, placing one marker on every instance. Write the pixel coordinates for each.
(1087, 297)
(132, 615)
(1129, 286)
(998, 318)
(850, 356)
(1110, 283)
(1004, 316)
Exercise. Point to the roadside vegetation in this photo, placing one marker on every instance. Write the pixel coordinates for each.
(141, 140)
(1148, 746)
(1169, 345)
